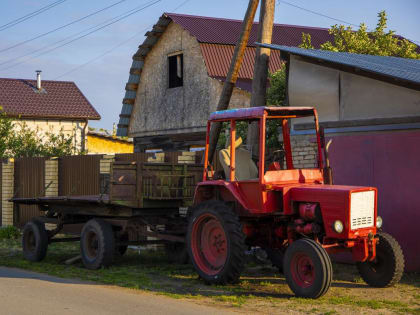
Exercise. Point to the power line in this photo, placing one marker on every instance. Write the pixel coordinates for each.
(317, 13)
(30, 15)
(115, 47)
(61, 27)
(330, 17)
(150, 3)
(64, 39)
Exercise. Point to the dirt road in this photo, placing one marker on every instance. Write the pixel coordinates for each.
(23, 292)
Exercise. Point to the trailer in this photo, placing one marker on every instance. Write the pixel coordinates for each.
(144, 200)
(296, 215)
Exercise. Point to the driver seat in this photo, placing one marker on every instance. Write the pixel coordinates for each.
(245, 166)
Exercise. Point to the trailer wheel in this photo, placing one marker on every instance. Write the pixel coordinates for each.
(388, 266)
(97, 244)
(216, 243)
(177, 253)
(34, 241)
(307, 268)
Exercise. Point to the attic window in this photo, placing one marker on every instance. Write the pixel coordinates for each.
(176, 70)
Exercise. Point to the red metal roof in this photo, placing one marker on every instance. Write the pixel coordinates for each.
(218, 58)
(58, 99)
(250, 112)
(227, 31)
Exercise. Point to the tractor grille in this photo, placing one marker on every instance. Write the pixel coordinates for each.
(362, 209)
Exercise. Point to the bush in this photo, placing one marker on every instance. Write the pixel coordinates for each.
(9, 232)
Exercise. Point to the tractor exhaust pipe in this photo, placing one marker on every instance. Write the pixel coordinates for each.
(328, 175)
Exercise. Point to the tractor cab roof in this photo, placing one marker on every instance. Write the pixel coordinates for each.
(257, 112)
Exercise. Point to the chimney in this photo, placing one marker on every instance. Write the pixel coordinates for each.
(38, 79)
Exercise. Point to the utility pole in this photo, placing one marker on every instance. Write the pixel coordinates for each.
(232, 76)
(259, 80)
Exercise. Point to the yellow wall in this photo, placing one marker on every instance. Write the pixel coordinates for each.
(102, 145)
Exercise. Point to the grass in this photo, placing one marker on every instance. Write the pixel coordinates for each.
(261, 288)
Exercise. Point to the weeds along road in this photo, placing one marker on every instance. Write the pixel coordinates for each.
(24, 292)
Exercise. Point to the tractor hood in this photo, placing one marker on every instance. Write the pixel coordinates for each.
(354, 206)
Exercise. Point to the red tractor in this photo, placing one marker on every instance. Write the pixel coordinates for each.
(296, 215)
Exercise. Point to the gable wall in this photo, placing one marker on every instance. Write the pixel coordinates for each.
(162, 111)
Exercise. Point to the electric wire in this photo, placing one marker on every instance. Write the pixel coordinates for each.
(62, 40)
(61, 27)
(125, 15)
(330, 17)
(30, 15)
(115, 47)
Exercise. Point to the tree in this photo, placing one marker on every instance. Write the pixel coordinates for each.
(379, 42)
(18, 140)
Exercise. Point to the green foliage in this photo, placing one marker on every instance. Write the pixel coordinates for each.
(379, 42)
(276, 93)
(9, 232)
(18, 140)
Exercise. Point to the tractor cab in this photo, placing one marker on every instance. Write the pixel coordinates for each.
(271, 160)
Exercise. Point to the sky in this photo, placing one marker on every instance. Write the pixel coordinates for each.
(99, 63)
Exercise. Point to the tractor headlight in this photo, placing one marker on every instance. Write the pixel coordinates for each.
(338, 226)
(378, 222)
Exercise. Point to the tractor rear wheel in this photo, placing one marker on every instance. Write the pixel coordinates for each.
(307, 268)
(97, 244)
(34, 241)
(216, 243)
(388, 266)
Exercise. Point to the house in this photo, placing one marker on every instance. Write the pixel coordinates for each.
(177, 76)
(370, 109)
(104, 143)
(48, 106)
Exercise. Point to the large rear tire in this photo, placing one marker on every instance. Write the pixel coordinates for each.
(97, 244)
(34, 241)
(307, 268)
(388, 267)
(216, 243)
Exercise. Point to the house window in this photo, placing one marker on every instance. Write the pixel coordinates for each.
(175, 70)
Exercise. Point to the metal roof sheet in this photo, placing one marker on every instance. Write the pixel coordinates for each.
(259, 111)
(57, 99)
(227, 31)
(392, 67)
(218, 58)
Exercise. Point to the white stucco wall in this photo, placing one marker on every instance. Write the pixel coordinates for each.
(339, 95)
(363, 98)
(73, 128)
(313, 85)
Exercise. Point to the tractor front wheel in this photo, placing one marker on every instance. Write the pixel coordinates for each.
(307, 268)
(387, 267)
(216, 243)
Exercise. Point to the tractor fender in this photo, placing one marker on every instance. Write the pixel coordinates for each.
(218, 189)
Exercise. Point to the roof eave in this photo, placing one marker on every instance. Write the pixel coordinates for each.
(348, 68)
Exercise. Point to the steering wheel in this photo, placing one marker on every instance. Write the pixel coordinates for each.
(277, 160)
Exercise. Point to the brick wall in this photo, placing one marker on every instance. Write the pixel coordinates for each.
(7, 179)
(304, 151)
(186, 158)
(51, 177)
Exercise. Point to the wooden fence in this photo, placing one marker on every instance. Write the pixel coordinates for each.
(64, 176)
